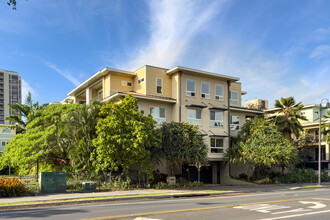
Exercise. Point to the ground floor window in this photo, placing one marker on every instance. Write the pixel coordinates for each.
(158, 114)
(216, 145)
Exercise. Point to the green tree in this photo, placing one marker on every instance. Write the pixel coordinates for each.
(42, 142)
(326, 128)
(288, 118)
(78, 134)
(261, 145)
(12, 3)
(182, 143)
(25, 113)
(124, 137)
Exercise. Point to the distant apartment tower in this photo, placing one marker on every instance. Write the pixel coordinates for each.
(259, 104)
(10, 92)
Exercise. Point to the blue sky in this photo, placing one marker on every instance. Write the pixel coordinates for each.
(278, 48)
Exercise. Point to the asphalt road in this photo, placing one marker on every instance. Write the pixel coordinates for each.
(300, 204)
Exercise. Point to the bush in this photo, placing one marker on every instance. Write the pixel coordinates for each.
(300, 176)
(11, 187)
(158, 177)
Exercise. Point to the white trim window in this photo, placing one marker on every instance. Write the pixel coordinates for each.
(216, 145)
(158, 114)
(191, 87)
(126, 83)
(194, 116)
(216, 119)
(234, 98)
(234, 122)
(159, 85)
(205, 90)
(140, 80)
(218, 92)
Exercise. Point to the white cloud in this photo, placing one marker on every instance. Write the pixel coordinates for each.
(173, 25)
(63, 73)
(320, 52)
(26, 88)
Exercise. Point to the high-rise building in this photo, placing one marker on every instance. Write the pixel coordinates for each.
(10, 92)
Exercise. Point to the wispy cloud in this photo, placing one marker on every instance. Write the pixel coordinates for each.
(173, 25)
(320, 52)
(63, 73)
(26, 88)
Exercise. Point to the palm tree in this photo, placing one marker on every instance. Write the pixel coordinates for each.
(25, 113)
(326, 128)
(288, 118)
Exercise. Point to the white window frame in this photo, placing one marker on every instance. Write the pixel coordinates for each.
(161, 86)
(233, 101)
(217, 149)
(191, 93)
(215, 122)
(158, 119)
(141, 80)
(206, 95)
(234, 127)
(218, 97)
(194, 121)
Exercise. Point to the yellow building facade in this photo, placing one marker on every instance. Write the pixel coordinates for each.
(209, 100)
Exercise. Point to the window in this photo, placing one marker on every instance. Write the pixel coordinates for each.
(194, 116)
(323, 157)
(218, 92)
(234, 98)
(140, 80)
(3, 143)
(234, 123)
(83, 102)
(126, 83)
(158, 114)
(205, 90)
(6, 131)
(159, 85)
(216, 145)
(191, 88)
(216, 119)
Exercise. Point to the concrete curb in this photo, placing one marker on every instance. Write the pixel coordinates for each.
(64, 202)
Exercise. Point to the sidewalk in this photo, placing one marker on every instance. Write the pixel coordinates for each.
(150, 193)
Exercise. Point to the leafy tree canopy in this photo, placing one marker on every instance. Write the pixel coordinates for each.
(124, 137)
(182, 143)
(42, 140)
(259, 143)
(288, 118)
(326, 128)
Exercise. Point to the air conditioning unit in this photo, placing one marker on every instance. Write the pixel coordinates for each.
(217, 97)
(192, 94)
(203, 95)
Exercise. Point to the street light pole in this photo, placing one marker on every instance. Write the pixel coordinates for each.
(320, 117)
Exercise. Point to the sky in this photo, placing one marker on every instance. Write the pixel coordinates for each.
(277, 48)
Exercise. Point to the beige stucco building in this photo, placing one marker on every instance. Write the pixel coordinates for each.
(209, 100)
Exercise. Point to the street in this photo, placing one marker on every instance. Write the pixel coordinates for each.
(299, 204)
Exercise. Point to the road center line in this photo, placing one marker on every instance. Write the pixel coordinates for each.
(194, 209)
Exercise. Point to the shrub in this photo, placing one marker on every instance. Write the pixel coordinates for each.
(162, 185)
(300, 176)
(158, 177)
(11, 187)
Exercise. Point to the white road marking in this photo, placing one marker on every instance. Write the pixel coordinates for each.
(317, 205)
(293, 210)
(263, 208)
(297, 215)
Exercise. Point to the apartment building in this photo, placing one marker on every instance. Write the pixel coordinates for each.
(10, 92)
(209, 100)
(311, 131)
